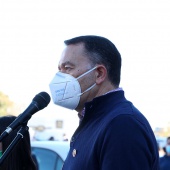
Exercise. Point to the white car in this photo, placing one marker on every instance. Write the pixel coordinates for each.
(50, 155)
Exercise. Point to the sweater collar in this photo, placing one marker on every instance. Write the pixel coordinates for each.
(96, 100)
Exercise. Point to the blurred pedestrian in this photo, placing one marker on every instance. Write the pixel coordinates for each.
(165, 160)
(113, 133)
(51, 138)
(20, 158)
(65, 137)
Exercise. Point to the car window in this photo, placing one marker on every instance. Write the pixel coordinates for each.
(47, 159)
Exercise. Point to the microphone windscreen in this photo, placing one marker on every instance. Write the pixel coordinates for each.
(42, 100)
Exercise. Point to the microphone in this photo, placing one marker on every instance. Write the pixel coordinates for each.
(39, 102)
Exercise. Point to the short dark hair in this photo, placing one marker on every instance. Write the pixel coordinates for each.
(100, 50)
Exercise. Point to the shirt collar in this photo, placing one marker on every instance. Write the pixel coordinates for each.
(82, 113)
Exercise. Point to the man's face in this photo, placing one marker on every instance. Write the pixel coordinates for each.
(168, 142)
(74, 62)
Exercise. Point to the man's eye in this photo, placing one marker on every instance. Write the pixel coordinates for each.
(67, 68)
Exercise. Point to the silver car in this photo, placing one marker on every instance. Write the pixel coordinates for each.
(49, 155)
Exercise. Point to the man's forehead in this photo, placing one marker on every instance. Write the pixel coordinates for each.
(77, 49)
(67, 63)
(70, 52)
(73, 55)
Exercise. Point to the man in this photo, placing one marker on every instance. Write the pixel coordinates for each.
(112, 133)
(165, 160)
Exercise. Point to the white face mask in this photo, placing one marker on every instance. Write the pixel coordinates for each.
(66, 91)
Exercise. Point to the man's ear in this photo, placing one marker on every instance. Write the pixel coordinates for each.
(101, 74)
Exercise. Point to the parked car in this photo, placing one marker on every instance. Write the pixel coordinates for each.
(50, 155)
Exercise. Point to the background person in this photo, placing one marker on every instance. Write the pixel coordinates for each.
(20, 158)
(112, 134)
(165, 160)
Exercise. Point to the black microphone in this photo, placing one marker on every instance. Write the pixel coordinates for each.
(39, 102)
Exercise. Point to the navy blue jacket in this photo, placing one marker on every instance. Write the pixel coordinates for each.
(113, 135)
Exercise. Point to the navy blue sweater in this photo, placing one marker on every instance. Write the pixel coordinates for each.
(113, 135)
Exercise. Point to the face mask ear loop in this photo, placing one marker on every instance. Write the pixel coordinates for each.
(87, 90)
(86, 72)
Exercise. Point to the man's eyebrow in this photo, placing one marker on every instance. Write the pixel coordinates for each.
(66, 63)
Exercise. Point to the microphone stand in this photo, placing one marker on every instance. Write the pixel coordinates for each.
(20, 134)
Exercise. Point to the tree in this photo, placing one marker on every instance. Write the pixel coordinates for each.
(6, 104)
